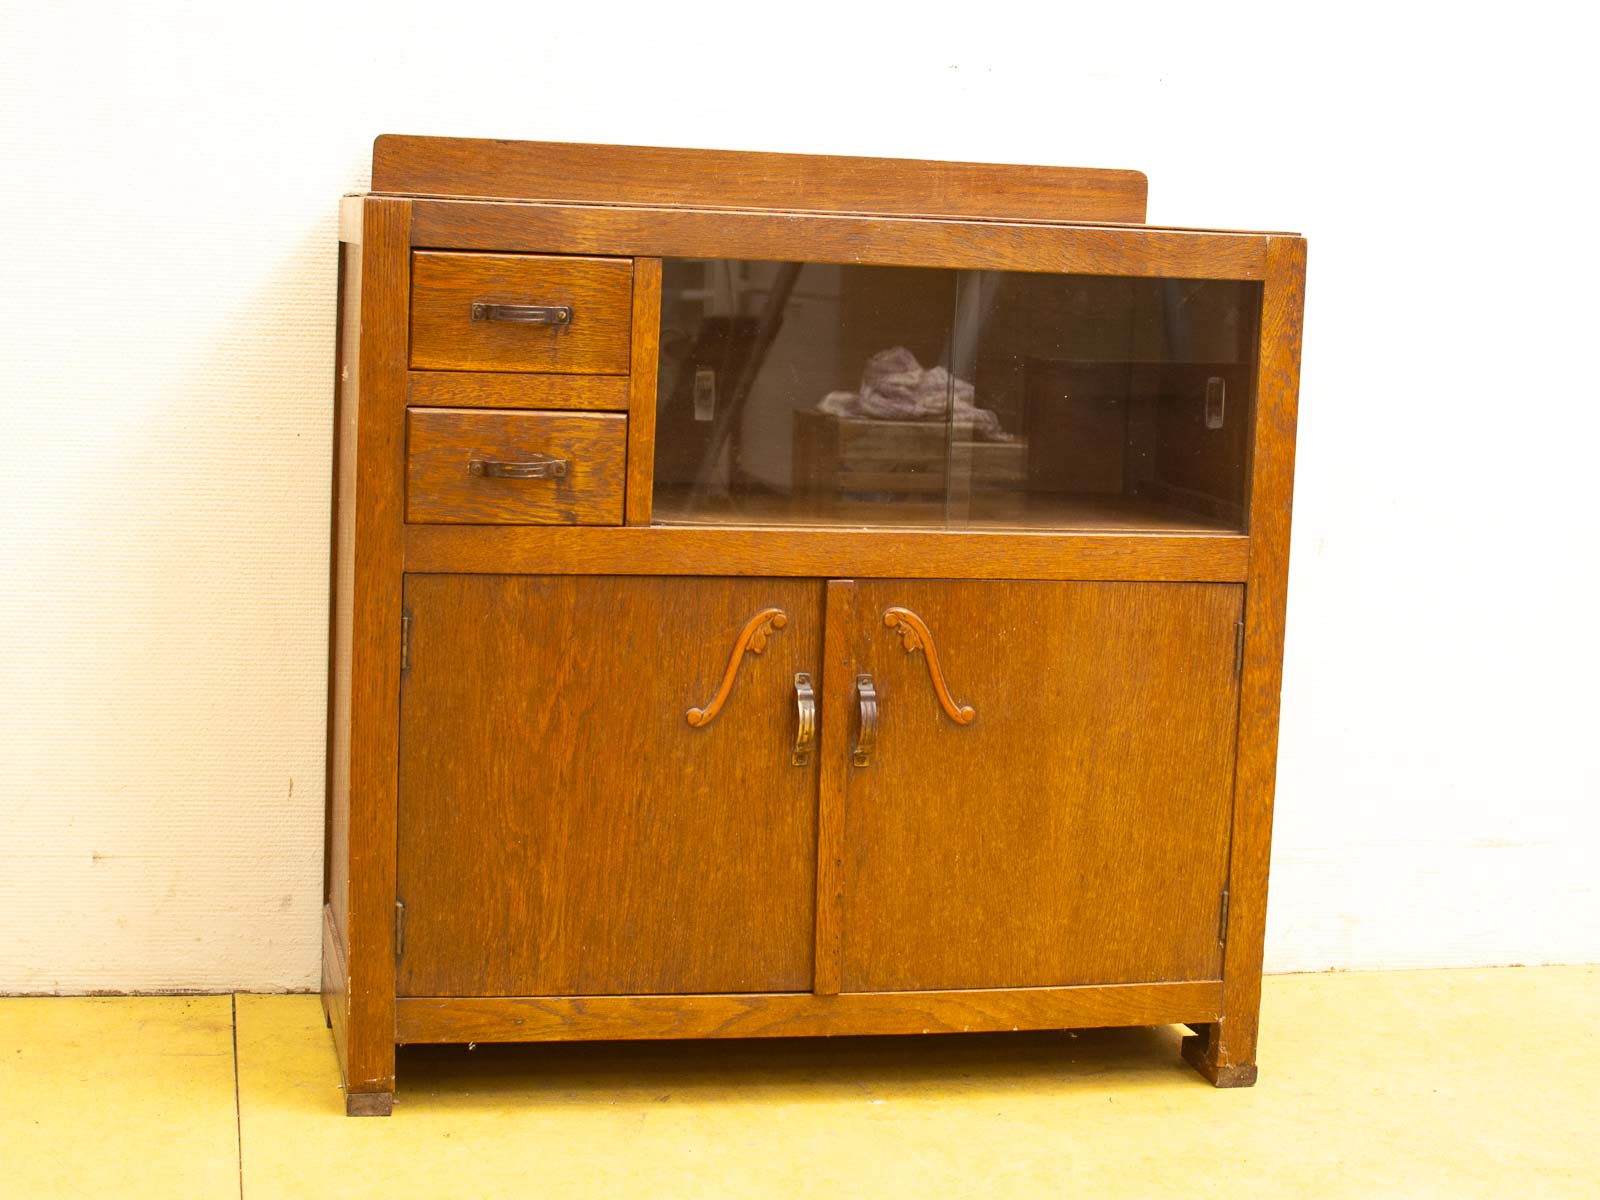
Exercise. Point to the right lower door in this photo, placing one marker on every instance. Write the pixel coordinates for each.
(1061, 813)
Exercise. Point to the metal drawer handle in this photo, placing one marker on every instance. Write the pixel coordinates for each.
(753, 637)
(540, 466)
(523, 314)
(867, 735)
(806, 701)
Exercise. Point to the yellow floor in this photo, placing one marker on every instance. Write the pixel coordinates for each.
(1406, 1084)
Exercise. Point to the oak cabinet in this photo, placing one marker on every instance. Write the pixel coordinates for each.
(778, 595)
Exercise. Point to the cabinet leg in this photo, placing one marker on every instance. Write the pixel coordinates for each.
(368, 1104)
(1208, 1052)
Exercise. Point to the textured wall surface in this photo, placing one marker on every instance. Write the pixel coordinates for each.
(168, 178)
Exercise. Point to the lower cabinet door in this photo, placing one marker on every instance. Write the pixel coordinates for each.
(564, 828)
(1074, 828)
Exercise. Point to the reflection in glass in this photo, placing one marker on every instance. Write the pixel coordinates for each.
(802, 394)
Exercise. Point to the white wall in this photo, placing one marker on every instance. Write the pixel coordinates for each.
(168, 176)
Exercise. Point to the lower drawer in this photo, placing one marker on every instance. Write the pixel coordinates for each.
(468, 467)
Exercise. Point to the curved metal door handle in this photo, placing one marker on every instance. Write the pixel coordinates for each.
(806, 702)
(540, 466)
(914, 636)
(522, 314)
(753, 637)
(867, 734)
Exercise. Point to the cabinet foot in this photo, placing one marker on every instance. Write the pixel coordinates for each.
(1200, 1054)
(368, 1104)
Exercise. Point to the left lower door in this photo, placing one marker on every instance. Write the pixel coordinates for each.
(563, 827)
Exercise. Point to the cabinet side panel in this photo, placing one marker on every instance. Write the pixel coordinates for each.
(375, 646)
(346, 405)
(1233, 1044)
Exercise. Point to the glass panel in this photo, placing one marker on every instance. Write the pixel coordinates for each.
(818, 394)
(755, 359)
(1130, 399)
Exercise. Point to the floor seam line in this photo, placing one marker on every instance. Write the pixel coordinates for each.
(238, 1116)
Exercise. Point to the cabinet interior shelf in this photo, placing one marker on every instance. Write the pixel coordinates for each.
(680, 506)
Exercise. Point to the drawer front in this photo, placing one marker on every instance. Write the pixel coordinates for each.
(515, 468)
(520, 312)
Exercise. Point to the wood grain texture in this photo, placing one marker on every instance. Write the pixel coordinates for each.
(896, 553)
(375, 646)
(745, 179)
(1230, 1051)
(491, 389)
(564, 830)
(642, 389)
(1076, 831)
(885, 241)
(335, 985)
(443, 442)
(341, 588)
(601, 1018)
(445, 338)
(837, 688)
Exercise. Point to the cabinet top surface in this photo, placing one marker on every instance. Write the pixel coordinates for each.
(487, 169)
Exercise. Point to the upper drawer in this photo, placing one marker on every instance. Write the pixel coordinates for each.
(520, 312)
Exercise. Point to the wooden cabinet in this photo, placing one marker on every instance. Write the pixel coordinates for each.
(780, 596)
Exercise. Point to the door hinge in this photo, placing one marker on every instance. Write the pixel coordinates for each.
(1238, 649)
(1222, 919)
(405, 641)
(399, 928)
